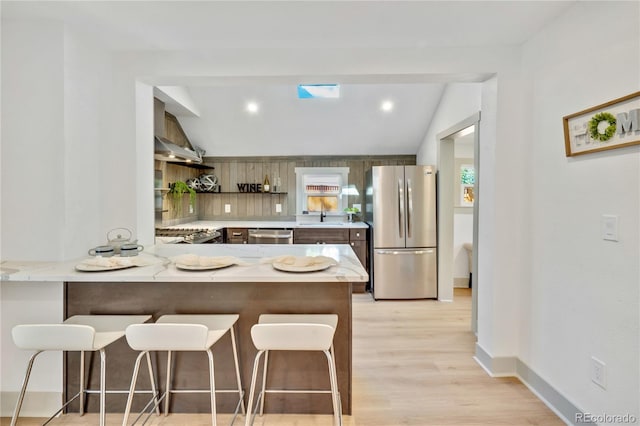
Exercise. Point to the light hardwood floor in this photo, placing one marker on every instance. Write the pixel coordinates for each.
(412, 365)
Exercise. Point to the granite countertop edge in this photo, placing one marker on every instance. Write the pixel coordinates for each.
(159, 267)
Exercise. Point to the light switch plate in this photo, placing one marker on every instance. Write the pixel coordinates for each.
(278, 208)
(609, 227)
(227, 208)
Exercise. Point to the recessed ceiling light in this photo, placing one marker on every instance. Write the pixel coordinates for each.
(386, 106)
(252, 107)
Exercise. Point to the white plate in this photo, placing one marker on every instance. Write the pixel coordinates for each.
(202, 268)
(310, 268)
(96, 268)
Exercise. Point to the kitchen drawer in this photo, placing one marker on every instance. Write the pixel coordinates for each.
(236, 235)
(321, 236)
(357, 234)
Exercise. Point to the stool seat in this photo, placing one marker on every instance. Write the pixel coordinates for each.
(184, 332)
(294, 332)
(327, 319)
(292, 337)
(172, 337)
(308, 338)
(77, 333)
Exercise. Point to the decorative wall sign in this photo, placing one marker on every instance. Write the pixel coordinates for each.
(611, 125)
(250, 187)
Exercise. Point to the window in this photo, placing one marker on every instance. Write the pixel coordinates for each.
(320, 189)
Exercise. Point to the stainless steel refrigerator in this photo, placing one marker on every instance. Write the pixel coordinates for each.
(401, 210)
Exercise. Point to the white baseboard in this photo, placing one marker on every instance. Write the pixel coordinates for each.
(36, 404)
(514, 367)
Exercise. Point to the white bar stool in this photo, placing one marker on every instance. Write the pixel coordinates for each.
(173, 333)
(294, 332)
(77, 333)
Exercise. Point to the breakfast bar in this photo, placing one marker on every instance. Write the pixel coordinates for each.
(249, 286)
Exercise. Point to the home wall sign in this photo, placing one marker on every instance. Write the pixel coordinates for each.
(607, 126)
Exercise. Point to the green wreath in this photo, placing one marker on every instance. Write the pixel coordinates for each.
(609, 131)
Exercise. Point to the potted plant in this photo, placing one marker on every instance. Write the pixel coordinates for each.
(350, 212)
(177, 191)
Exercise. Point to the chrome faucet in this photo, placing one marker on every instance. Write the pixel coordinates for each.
(323, 214)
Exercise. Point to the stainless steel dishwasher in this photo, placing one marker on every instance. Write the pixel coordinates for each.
(270, 236)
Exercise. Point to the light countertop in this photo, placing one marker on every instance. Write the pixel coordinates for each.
(160, 268)
(219, 224)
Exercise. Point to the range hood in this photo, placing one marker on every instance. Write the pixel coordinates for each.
(165, 150)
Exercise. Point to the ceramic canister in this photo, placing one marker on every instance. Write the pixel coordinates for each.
(104, 251)
(130, 249)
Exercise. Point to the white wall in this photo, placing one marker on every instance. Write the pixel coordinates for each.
(462, 233)
(87, 76)
(583, 296)
(33, 191)
(459, 101)
(54, 118)
(53, 130)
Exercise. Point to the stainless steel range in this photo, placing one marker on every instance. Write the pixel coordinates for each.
(191, 235)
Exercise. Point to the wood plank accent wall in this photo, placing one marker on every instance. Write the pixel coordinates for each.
(231, 171)
(173, 214)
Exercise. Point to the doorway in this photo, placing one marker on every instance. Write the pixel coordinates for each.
(457, 195)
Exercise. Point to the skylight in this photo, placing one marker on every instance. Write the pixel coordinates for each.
(312, 91)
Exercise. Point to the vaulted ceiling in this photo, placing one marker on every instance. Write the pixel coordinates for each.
(284, 124)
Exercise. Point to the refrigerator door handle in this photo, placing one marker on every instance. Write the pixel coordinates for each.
(409, 207)
(400, 209)
(405, 252)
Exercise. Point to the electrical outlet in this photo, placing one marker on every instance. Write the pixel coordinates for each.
(278, 208)
(227, 208)
(190, 209)
(598, 372)
(358, 206)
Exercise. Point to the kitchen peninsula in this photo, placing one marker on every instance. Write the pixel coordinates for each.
(250, 288)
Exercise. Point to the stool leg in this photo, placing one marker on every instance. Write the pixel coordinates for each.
(235, 360)
(212, 386)
(335, 375)
(337, 417)
(264, 382)
(81, 393)
(153, 384)
(168, 386)
(132, 388)
(252, 389)
(24, 388)
(103, 387)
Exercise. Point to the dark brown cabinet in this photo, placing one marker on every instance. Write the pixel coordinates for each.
(358, 242)
(236, 235)
(321, 236)
(355, 237)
